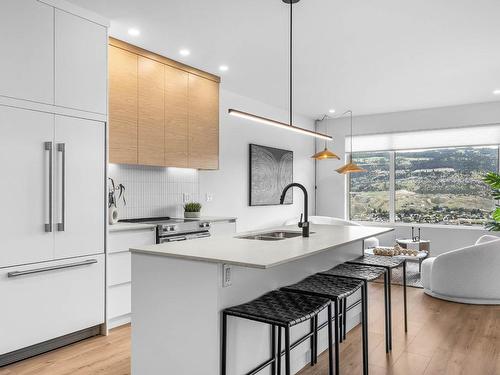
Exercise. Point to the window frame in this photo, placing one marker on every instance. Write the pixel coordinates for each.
(392, 187)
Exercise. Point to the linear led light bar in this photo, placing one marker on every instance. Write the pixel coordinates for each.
(282, 125)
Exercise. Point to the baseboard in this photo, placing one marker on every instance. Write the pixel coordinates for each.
(119, 321)
(468, 301)
(46, 346)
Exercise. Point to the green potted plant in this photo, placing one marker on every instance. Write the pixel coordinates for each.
(493, 180)
(192, 210)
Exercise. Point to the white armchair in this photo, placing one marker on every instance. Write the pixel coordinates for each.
(327, 220)
(467, 275)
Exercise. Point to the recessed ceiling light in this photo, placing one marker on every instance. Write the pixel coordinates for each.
(496, 92)
(331, 111)
(134, 32)
(223, 68)
(185, 52)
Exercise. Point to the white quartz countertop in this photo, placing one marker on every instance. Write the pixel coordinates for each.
(229, 249)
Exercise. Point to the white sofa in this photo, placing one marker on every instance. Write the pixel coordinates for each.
(327, 220)
(467, 275)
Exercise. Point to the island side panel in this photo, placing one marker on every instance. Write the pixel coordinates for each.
(249, 342)
(175, 316)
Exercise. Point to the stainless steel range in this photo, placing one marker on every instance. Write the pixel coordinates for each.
(171, 229)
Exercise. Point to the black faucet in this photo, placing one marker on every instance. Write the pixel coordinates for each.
(302, 224)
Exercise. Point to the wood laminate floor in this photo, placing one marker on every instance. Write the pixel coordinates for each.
(444, 338)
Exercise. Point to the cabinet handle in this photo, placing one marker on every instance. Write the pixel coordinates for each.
(51, 268)
(48, 147)
(61, 147)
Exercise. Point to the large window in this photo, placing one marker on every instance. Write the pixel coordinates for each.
(369, 191)
(436, 186)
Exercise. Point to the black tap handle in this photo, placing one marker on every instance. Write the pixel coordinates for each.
(300, 220)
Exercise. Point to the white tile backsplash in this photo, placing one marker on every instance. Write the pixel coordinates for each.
(154, 191)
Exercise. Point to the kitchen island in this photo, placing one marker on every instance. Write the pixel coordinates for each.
(179, 290)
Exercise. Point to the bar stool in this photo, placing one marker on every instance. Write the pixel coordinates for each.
(388, 263)
(365, 274)
(282, 310)
(336, 289)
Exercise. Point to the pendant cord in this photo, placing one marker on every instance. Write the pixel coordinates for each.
(291, 63)
(350, 155)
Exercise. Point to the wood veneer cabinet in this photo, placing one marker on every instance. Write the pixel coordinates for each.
(203, 123)
(162, 112)
(123, 109)
(176, 117)
(151, 106)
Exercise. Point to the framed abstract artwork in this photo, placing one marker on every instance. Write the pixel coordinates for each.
(271, 169)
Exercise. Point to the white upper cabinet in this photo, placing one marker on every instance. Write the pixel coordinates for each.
(27, 45)
(80, 63)
(25, 192)
(80, 194)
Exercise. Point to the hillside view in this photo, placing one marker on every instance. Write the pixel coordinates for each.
(439, 186)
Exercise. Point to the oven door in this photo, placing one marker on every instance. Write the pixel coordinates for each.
(184, 237)
(175, 238)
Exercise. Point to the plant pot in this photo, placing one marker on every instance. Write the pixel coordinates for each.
(191, 215)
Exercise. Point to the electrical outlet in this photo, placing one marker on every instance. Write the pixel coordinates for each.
(209, 197)
(186, 197)
(226, 276)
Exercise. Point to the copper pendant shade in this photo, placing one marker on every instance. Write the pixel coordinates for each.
(325, 154)
(350, 167)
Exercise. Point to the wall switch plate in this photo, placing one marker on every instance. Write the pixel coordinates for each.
(209, 197)
(226, 276)
(186, 197)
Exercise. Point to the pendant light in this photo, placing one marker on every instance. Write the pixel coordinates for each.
(350, 167)
(326, 153)
(282, 125)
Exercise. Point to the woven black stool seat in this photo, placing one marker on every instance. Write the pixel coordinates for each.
(333, 288)
(378, 260)
(280, 308)
(355, 271)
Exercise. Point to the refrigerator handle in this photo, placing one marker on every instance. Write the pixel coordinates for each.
(61, 147)
(48, 147)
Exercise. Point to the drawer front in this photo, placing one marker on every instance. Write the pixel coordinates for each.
(46, 300)
(119, 300)
(124, 240)
(119, 268)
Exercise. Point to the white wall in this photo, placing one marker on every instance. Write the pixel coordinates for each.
(331, 190)
(229, 185)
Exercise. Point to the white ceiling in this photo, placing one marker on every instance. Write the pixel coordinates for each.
(370, 56)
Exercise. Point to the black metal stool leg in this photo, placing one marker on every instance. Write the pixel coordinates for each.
(224, 344)
(341, 320)
(404, 296)
(364, 314)
(344, 316)
(389, 302)
(287, 351)
(337, 337)
(386, 305)
(316, 339)
(273, 349)
(312, 340)
(330, 338)
(278, 365)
